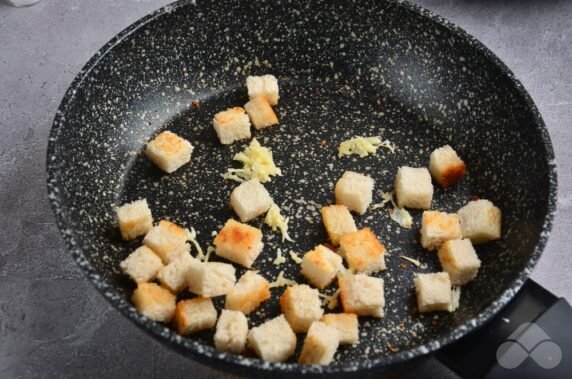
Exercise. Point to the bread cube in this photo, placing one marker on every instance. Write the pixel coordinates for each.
(273, 341)
(438, 227)
(320, 345)
(231, 332)
(338, 222)
(232, 125)
(250, 199)
(134, 219)
(446, 167)
(211, 279)
(413, 188)
(174, 275)
(354, 191)
(459, 259)
(361, 294)
(141, 265)
(480, 221)
(301, 306)
(168, 241)
(239, 243)
(261, 113)
(265, 86)
(154, 302)
(434, 292)
(250, 291)
(195, 315)
(346, 324)
(169, 151)
(320, 266)
(363, 252)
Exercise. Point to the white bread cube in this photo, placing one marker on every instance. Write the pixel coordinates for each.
(265, 85)
(250, 199)
(354, 191)
(434, 292)
(301, 306)
(154, 302)
(320, 266)
(239, 243)
(174, 275)
(413, 188)
(231, 332)
(362, 294)
(251, 290)
(346, 324)
(195, 315)
(363, 251)
(320, 345)
(211, 279)
(438, 227)
(142, 265)
(459, 259)
(167, 240)
(261, 113)
(338, 222)
(273, 341)
(169, 151)
(446, 167)
(134, 219)
(480, 221)
(232, 125)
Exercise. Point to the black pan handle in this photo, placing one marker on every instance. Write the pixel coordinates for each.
(530, 338)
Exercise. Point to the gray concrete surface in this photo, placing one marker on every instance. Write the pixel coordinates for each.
(52, 322)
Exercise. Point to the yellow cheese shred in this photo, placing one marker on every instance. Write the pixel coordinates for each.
(192, 237)
(399, 215)
(279, 258)
(281, 281)
(364, 146)
(257, 163)
(276, 221)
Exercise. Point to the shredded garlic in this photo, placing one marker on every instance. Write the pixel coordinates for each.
(281, 281)
(275, 220)
(402, 217)
(279, 258)
(414, 261)
(257, 163)
(363, 146)
(295, 257)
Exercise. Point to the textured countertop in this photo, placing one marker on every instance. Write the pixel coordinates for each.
(52, 321)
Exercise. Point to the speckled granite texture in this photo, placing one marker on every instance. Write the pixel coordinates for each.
(49, 311)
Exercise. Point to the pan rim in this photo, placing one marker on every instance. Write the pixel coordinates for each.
(202, 353)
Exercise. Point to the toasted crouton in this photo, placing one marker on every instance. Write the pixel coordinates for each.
(362, 251)
(301, 306)
(195, 315)
(154, 302)
(320, 266)
(168, 241)
(134, 219)
(361, 294)
(239, 243)
(232, 125)
(354, 191)
(249, 292)
(480, 221)
(320, 345)
(169, 151)
(338, 222)
(459, 259)
(346, 324)
(413, 188)
(265, 85)
(231, 332)
(446, 167)
(260, 113)
(438, 227)
(174, 275)
(433, 292)
(250, 199)
(273, 341)
(211, 279)
(141, 265)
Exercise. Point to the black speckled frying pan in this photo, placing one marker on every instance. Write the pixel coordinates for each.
(345, 68)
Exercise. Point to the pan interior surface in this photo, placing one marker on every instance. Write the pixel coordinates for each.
(345, 69)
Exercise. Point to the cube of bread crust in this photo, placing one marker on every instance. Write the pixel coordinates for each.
(250, 199)
(338, 222)
(301, 306)
(231, 332)
(134, 219)
(346, 324)
(265, 85)
(361, 294)
(195, 315)
(250, 291)
(320, 266)
(433, 292)
(320, 345)
(211, 279)
(169, 151)
(480, 221)
(354, 191)
(362, 251)
(142, 265)
(232, 125)
(459, 259)
(273, 341)
(168, 241)
(413, 188)
(174, 275)
(154, 302)
(438, 227)
(239, 243)
(261, 113)
(446, 167)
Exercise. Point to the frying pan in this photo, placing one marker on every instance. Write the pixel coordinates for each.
(345, 68)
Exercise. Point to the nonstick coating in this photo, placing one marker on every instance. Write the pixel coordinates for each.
(345, 69)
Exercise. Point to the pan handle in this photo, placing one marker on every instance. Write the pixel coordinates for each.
(530, 338)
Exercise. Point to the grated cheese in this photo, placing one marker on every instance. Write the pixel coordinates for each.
(331, 301)
(364, 146)
(386, 197)
(275, 220)
(402, 217)
(295, 257)
(257, 163)
(210, 250)
(192, 237)
(281, 281)
(279, 258)
(414, 261)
